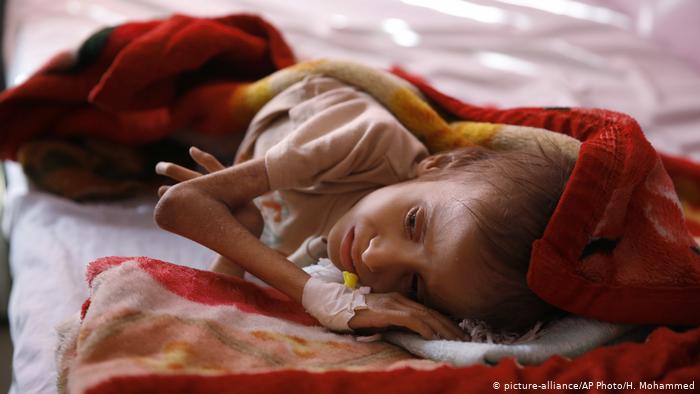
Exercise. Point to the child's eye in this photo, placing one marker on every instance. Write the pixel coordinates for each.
(410, 222)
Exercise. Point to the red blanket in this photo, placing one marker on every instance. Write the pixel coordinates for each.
(139, 82)
(90, 124)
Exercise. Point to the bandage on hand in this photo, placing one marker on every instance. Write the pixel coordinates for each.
(333, 304)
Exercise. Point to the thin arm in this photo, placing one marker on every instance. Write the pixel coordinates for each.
(200, 209)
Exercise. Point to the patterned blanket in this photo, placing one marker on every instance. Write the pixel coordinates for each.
(148, 317)
(154, 327)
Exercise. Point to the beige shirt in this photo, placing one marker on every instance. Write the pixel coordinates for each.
(326, 145)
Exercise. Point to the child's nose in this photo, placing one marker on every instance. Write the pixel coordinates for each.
(383, 254)
(388, 263)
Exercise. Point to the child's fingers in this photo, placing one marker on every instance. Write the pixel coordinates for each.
(439, 328)
(393, 310)
(445, 324)
(206, 160)
(407, 320)
(391, 318)
(442, 326)
(175, 171)
(162, 190)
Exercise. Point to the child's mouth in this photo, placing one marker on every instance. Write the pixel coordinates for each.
(346, 250)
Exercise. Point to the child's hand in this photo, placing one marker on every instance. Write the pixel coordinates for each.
(393, 309)
(181, 174)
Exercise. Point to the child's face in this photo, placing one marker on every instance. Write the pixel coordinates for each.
(417, 239)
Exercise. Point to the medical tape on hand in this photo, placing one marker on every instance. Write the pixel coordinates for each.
(333, 304)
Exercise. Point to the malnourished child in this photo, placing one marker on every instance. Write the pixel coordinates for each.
(336, 176)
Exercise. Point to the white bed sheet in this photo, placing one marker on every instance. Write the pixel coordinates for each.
(629, 56)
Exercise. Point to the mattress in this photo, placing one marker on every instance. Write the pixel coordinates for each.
(623, 56)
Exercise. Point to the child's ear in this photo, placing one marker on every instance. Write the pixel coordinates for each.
(428, 164)
(455, 158)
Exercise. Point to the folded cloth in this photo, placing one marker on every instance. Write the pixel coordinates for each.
(154, 327)
(569, 337)
(131, 85)
(140, 81)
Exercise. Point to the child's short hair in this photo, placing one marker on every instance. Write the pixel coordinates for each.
(524, 187)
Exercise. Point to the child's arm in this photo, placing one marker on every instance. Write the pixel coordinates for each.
(247, 215)
(201, 209)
